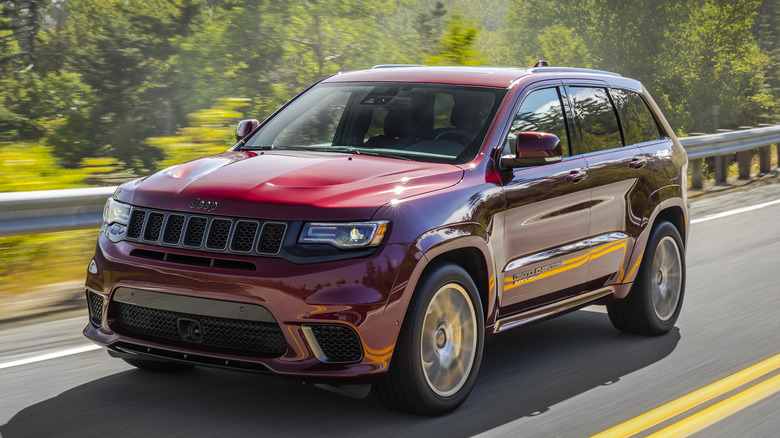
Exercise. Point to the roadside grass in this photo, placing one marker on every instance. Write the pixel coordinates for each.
(29, 262)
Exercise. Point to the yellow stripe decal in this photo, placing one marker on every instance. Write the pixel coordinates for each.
(510, 282)
(630, 275)
(703, 395)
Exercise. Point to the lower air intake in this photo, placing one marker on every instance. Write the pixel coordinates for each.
(339, 343)
(95, 303)
(262, 338)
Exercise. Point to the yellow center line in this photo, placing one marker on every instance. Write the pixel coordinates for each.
(713, 414)
(696, 398)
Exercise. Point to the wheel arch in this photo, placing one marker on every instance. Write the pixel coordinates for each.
(464, 245)
(665, 204)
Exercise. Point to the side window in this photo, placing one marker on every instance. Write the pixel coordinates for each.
(638, 122)
(541, 111)
(595, 117)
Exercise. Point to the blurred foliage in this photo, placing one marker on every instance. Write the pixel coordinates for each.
(457, 44)
(702, 60)
(33, 166)
(27, 262)
(210, 131)
(99, 91)
(100, 78)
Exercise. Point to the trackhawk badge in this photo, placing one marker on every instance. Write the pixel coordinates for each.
(204, 205)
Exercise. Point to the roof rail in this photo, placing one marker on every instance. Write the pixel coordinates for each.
(572, 70)
(397, 66)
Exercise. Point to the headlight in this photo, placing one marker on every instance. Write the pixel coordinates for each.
(345, 235)
(116, 216)
(116, 212)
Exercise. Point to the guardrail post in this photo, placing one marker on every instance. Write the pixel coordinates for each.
(721, 169)
(744, 160)
(765, 159)
(696, 173)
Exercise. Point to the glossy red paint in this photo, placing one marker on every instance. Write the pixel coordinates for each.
(290, 184)
(538, 145)
(527, 236)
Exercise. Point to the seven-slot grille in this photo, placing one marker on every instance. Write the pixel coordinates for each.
(208, 233)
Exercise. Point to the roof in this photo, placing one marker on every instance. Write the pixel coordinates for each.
(484, 76)
(501, 77)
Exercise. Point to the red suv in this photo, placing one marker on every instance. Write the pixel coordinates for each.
(382, 224)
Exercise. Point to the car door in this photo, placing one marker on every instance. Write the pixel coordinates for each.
(621, 179)
(547, 218)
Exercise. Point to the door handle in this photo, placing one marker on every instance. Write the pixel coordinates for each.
(576, 176)
(638, 163)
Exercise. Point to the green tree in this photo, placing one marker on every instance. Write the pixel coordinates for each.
(123, 53)
(714, 71)
(561, 46)
(457, 45)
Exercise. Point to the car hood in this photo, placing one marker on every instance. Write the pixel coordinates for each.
(288, 185)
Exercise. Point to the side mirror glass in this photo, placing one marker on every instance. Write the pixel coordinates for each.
(534, 149)
(245, 127)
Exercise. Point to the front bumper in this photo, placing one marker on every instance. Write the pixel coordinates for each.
(325, 321)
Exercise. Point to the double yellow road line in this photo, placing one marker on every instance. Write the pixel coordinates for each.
(706, 417)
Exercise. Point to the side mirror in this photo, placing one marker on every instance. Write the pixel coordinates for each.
(534, 149)
(245, 127)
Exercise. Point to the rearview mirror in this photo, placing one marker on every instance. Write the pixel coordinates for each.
(534, 149)
(245, 127)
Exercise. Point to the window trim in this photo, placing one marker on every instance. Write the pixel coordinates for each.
(591, 84)
(523, 95)
(663, 135)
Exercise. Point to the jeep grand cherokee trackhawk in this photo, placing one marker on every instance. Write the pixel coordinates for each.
(382, 224)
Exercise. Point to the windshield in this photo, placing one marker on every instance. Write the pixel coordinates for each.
(423, 122)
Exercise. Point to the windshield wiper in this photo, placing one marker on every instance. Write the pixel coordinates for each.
(262, 147)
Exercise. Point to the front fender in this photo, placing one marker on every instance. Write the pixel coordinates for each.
(431, 245)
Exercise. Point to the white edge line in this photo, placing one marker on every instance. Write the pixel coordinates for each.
(52, 355)
(735, 211)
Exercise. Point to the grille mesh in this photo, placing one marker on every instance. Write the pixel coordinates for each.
(153, 226)
(218, 234)
(271, 239)
(173, 229)
(195, 229)
(209, 233)
(338, 342)
(259, 337)
(95, 303)
(245, 235)
(136, 224)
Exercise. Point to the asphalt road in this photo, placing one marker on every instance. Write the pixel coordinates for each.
(574, 376)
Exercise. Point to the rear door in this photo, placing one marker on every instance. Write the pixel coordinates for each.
(546, 223)
(621, 180)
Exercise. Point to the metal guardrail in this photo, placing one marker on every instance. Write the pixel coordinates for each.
(719, 145)
(52, 210)
(72, 209)
(724, 143)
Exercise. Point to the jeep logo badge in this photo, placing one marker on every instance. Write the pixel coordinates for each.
(204, 205)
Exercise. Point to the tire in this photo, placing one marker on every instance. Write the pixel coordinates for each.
(439, 349)
(159, 366)
(653, 305)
